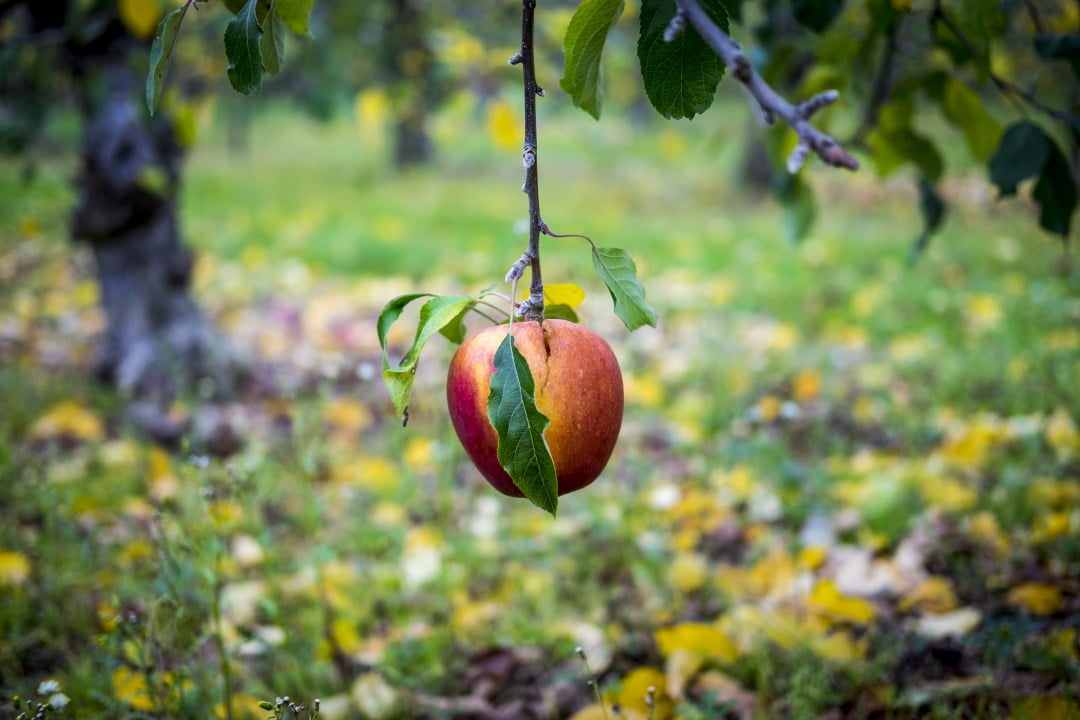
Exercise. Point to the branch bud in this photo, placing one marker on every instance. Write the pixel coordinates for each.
(811, 106)
(675, 27)
(528, 157)
(516, 59)
(798, 157)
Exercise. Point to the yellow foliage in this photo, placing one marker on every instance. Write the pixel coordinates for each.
(1062, 435)
(243, 707)
(1045, 707)
(347, 415)
(839, 647)
(948, 494)
(559, 294)
(503, 125)
(14, 568)
(706, 641)
(68, 419)
(807, 385)
(644, 390)
(372, 472)
(934, 595)
(984, 527)
(419, 455)
(140, 17)
(635, 688)
(129, 686)
(688, 572)
(983, 312)
(672, 144)
(225, 514)
(813, 557)
(768, 408)
(163, 483)
(1037, 598)
(827, 600)
(345, 635)
(371, 107)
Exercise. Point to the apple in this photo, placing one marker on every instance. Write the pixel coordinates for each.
(578, 388)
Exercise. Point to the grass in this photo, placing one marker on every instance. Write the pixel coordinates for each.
(825, 451)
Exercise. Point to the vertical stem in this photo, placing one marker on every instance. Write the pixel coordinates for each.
(532, 184)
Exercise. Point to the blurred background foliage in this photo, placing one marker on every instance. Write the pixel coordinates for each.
(846, 486)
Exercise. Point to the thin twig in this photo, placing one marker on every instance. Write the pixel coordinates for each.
(1033, 12)
(1006, 86)
(533, 307)
(772, 104)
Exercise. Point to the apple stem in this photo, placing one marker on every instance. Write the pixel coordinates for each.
(533, 307)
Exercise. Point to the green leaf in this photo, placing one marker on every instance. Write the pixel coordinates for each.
(619, 273)
(680, 76)
(583, 46)
(890, 149)
(560, 312)
(296, 14)
(797, 202)
(436, 314)
(392, 311)
(1022, 153)
(242, 38)
(966, 111)
(932, 208)
(455, 330)
(816, 14)
(981, 22)
(523, 451)
(273, 43)
(1056, 193)
(160, 54)
(1059, 47)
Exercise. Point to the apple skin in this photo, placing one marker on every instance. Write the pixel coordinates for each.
(578, 388)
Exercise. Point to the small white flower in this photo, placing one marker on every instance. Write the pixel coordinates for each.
(59, 701)
(48, 686)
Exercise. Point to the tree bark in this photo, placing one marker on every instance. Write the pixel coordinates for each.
(156, 340)
(411, 63)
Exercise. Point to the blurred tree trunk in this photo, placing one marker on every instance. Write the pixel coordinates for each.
(411, 62)
(156, 339)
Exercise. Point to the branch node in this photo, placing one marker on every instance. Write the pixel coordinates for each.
(768, 116)
(516, 59)
(528, 157)
(518, 269)
(540, 91)
(675, 27)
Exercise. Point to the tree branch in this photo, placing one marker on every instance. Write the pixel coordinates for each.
(1005, 86)
(533, 307)
(772, 104)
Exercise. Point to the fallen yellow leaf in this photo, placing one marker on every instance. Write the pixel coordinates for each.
(1037, 598)
(827, 599)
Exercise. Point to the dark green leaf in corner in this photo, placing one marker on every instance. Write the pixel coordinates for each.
(680, 76)
(243, 37)
(273, 43)
(1056, 193)
(583, 47)
(437, 313)
(160, 54)
(1022, 152)
(816, 15)
(619, 273)
(561, 312)
(932, 208)
(523, 451)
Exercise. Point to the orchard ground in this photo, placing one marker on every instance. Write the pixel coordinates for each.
(844, 487)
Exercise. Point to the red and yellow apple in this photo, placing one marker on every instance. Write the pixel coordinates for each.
(578, 388)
